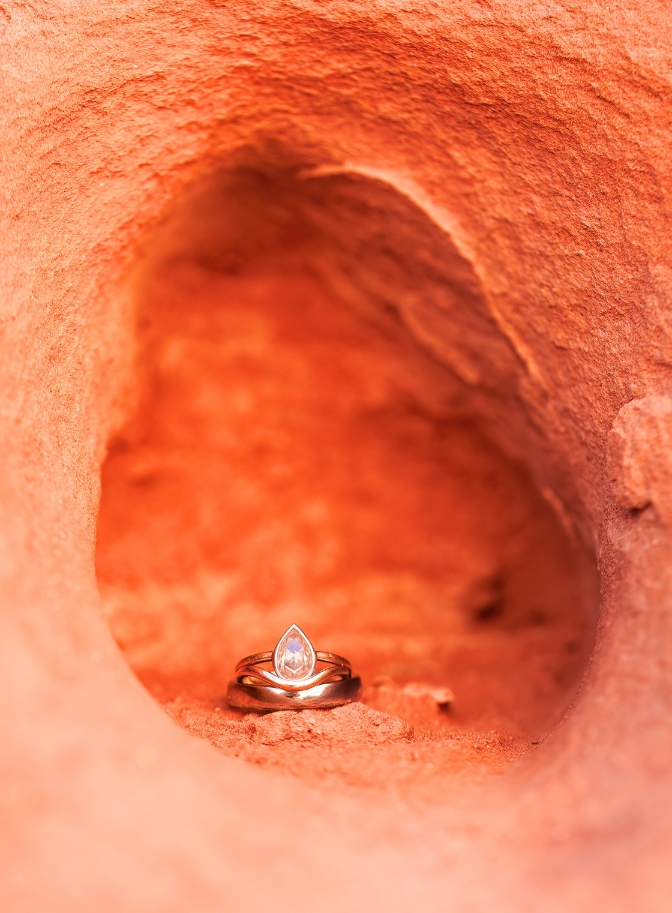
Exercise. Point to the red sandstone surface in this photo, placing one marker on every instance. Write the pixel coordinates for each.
(356, 316)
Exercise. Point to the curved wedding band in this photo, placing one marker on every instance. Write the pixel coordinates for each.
(294, 683)
(248, 668)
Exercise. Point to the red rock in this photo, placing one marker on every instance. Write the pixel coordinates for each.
(352, 723)
(641, 442)
(345, 288)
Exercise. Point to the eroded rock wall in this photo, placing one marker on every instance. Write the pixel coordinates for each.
(536, 139)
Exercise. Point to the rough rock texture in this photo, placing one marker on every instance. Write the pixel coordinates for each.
(641, 444)
(356, 748)
(467, 204)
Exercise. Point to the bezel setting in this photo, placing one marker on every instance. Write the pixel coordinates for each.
(293, 642)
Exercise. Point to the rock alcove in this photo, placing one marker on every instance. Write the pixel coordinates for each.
(322, 424)
(475, 199)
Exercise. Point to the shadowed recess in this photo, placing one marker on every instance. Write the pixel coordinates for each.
(310, 438)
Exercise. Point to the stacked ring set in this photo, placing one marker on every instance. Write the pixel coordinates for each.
(294, 676)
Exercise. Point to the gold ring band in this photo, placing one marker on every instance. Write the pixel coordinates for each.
(252, 675)
(322, 697)
(321, 655)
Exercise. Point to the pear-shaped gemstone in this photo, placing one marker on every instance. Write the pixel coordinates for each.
(294, 657)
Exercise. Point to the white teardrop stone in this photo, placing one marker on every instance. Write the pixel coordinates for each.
(294, 656)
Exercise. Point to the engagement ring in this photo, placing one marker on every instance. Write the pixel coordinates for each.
(301, 677)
